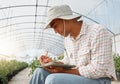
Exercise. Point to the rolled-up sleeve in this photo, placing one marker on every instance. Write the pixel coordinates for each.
(101, 55)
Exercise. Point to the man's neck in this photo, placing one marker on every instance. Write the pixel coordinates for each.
(76, 28)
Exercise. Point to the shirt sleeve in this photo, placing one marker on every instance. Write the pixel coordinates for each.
(101, 55)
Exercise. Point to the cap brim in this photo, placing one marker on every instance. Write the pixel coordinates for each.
(47, 25)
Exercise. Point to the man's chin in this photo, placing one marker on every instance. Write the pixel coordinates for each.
(67, 35)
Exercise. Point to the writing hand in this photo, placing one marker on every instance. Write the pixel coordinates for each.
(45, 59)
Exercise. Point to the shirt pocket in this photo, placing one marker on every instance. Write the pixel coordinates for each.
(83, 57)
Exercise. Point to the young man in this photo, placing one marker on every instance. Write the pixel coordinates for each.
(89, 47)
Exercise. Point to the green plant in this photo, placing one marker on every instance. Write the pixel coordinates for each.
(117, 62)
(117, 65)
(60, 57)
(33, 65)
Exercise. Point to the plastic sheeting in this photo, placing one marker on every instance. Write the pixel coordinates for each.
(22, 22)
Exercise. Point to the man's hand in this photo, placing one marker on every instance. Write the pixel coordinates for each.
(54, 69)
(45, 59)
(62, 70)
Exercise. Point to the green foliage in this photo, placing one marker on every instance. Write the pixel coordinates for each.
(60, 57)
(36, 63)
(8, 68)
(117, 62)
(33, 65)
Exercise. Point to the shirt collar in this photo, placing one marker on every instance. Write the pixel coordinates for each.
(82, 32)
(83, 29)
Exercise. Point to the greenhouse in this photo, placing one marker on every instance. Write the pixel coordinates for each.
(23, 38)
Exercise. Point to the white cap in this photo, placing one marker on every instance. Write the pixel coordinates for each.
(61, 12)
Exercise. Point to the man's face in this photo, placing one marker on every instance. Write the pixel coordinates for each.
(58, 26)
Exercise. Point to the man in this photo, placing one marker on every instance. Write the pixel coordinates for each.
(89, 47)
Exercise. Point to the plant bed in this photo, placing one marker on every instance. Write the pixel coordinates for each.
(0, 80)
(10, 75)
(9, 68)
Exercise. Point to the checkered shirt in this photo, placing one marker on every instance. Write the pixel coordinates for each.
(91, 52)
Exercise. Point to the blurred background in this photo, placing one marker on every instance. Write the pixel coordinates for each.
(22, 34)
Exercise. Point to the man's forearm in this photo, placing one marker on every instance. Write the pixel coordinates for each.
(72, 71)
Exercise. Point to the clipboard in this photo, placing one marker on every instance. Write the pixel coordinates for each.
(56, 64)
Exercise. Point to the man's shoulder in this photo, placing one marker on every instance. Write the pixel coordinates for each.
(97, 27)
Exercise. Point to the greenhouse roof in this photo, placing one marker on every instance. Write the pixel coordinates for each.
(22, 23)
